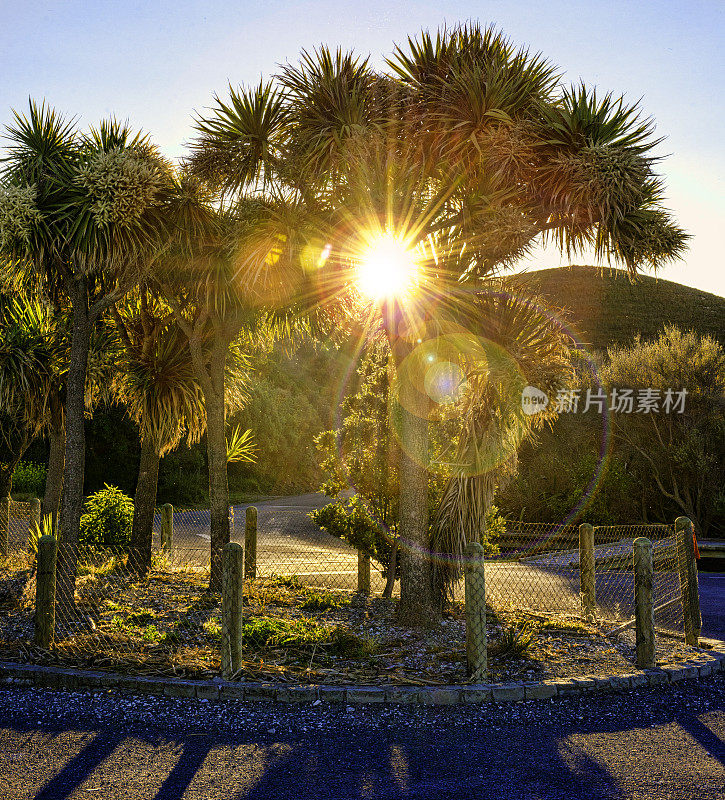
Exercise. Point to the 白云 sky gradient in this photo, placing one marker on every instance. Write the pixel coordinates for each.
(155, 63)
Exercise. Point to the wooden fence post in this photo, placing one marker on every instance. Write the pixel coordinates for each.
(644, 609)
(232, 589)
(45, 592)
(4, 526)
(167, 527)
(363, 573)
(587, 574)
(687, 567)
(475, 580)
(250, 544)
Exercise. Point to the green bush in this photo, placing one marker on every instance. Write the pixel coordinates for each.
(350, 521)
(29, 478)
(107, 519)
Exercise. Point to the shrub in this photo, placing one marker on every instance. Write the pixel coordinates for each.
(29, 478)
(347, 644)
(350, 521)
(107, 519)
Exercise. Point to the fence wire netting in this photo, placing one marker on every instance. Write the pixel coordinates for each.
(538, 567)
(167, 622)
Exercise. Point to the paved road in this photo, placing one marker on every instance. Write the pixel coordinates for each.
(665, 743)
(712, 604)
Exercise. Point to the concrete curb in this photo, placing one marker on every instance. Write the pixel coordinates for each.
(707, 663)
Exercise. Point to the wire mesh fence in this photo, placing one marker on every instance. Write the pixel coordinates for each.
(21, 520)
(167, 622)
(538, 567)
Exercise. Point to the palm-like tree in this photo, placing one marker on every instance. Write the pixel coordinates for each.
(467, 152)
(155, 380)
(197, 276)
(81, 212)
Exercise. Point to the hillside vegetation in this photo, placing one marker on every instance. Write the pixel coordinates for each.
(606, 308)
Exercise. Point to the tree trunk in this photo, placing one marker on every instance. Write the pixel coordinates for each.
(417, 606)
(217, 455)
(75, 448)
(143, 509)
(392, 568)
(54, 478)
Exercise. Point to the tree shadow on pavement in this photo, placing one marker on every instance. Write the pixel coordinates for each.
(615, 747)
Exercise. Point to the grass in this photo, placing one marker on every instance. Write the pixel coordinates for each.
(322, 600)
(135, 630)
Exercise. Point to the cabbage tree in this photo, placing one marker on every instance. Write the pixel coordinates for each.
(420, 185)
(81, 212)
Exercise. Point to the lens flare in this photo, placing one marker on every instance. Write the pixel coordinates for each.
(387, 269)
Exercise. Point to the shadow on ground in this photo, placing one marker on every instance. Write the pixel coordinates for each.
(621, 746)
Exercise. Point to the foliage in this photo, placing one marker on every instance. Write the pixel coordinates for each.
(31, 357)
(107, 519)
(606, 307)
(154, 378)
(290, 396)
(262, 632)
(513, 642)
(241, 447)
(351, 521)
(363, 455)
(321, 600)
(675, 452)
(42, 528)
(655, 466)
(183, 478)
(29, 478)
(562, 472)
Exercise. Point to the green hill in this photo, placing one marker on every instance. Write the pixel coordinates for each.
(607, 308)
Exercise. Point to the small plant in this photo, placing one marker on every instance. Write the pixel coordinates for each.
(107, 520)
(241, 447)
(347, 644)
(135, 630)
(287, 581)
(98, 564)
(170, 638)
(141, 618)
(322, 601)
(565, 626)
(264, 632)
(514, 642)
(212, 627)
(42, 528)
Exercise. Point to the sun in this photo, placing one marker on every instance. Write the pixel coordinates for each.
(387, 269)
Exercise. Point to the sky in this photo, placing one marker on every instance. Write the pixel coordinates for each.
(156, 63)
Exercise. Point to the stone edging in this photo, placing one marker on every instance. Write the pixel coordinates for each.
(707, 663)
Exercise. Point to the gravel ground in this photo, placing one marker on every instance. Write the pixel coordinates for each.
(663, 742)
